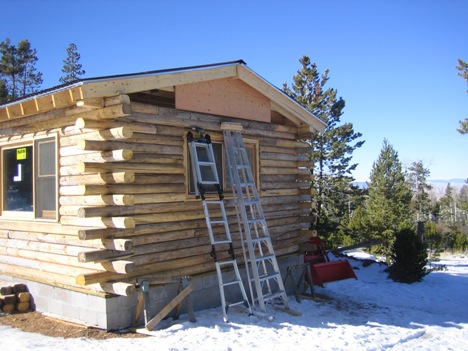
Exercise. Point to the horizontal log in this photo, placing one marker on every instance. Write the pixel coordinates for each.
(278, 150)
(42, 267)
(278, 156)
(274, 170)
(98, 157)
(97, 200)
(157, 198)
(73, 150)
(124, 189)
(103, 222)
(276, 185)
(157, 139)
(278, 163)
(54, 248)
(99, 179)
(151, 158)
(41, 227)
(117, 266)
(163, 237)
(151, 228)
(102, 277)
(159, 178)
(115, 111)
(156, 207)
(278, 178)
(167, 217)
(119, 288)
(184, 119)
(111, 244)
(102, 255)
(82, 123)
(85, 167)
(135, 147)
(279, 192)
(282, 143)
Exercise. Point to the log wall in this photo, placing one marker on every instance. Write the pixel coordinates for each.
(123, 202)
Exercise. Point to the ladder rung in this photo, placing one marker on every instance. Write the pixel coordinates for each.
(221, 242)
(270, 276)
(247, 184)
(206, 163)
(208, 182)
(232, 262)
(218, 222)
(264, 258)
(260, 239)
(242, 166)
(231, 283)
(275, 295)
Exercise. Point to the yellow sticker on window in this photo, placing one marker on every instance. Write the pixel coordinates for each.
(21, 153)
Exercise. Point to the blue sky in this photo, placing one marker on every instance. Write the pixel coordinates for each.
(393, 62)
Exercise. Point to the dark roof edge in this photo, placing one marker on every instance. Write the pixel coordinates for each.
(58, 88)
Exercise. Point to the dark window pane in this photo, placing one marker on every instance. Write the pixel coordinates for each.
(18, 179)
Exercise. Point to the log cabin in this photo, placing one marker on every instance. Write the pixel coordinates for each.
(96, 188)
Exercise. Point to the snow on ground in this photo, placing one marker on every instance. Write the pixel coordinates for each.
(370, 313)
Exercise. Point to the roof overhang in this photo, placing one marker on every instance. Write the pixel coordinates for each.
(92, 88)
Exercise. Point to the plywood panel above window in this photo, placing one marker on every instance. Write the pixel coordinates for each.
(224, 97)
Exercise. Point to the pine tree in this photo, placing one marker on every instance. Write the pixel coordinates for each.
(447, 207)
(463, 72)
(72, 66)
(417, 180)
(17, 69)
(3, 91)
(388, 206)
(409, 258)
(331, 150)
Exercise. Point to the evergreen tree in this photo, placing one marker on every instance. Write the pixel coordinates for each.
(388, 206)
(463, 72)
(17, 69)
(417, 180)
(3, 91)
(331, 150)
(409, 258)
(72, 67)
(447, 207)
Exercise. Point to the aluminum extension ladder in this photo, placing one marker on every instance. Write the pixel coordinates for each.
(262, 267)
(205, 173)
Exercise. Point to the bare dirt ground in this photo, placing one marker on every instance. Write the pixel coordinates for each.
(35, 322)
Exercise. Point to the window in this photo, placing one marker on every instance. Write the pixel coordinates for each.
(29, 188)
(223, 174)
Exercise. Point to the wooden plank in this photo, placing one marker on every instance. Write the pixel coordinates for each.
(224, 97)
(169, 307)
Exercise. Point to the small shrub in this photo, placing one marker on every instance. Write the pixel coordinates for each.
(409, 258)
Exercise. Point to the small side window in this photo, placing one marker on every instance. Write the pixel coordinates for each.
(29, 174)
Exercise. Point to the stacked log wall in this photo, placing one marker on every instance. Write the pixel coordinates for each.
(124, 208)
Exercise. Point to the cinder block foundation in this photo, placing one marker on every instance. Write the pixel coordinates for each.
(117, 312)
